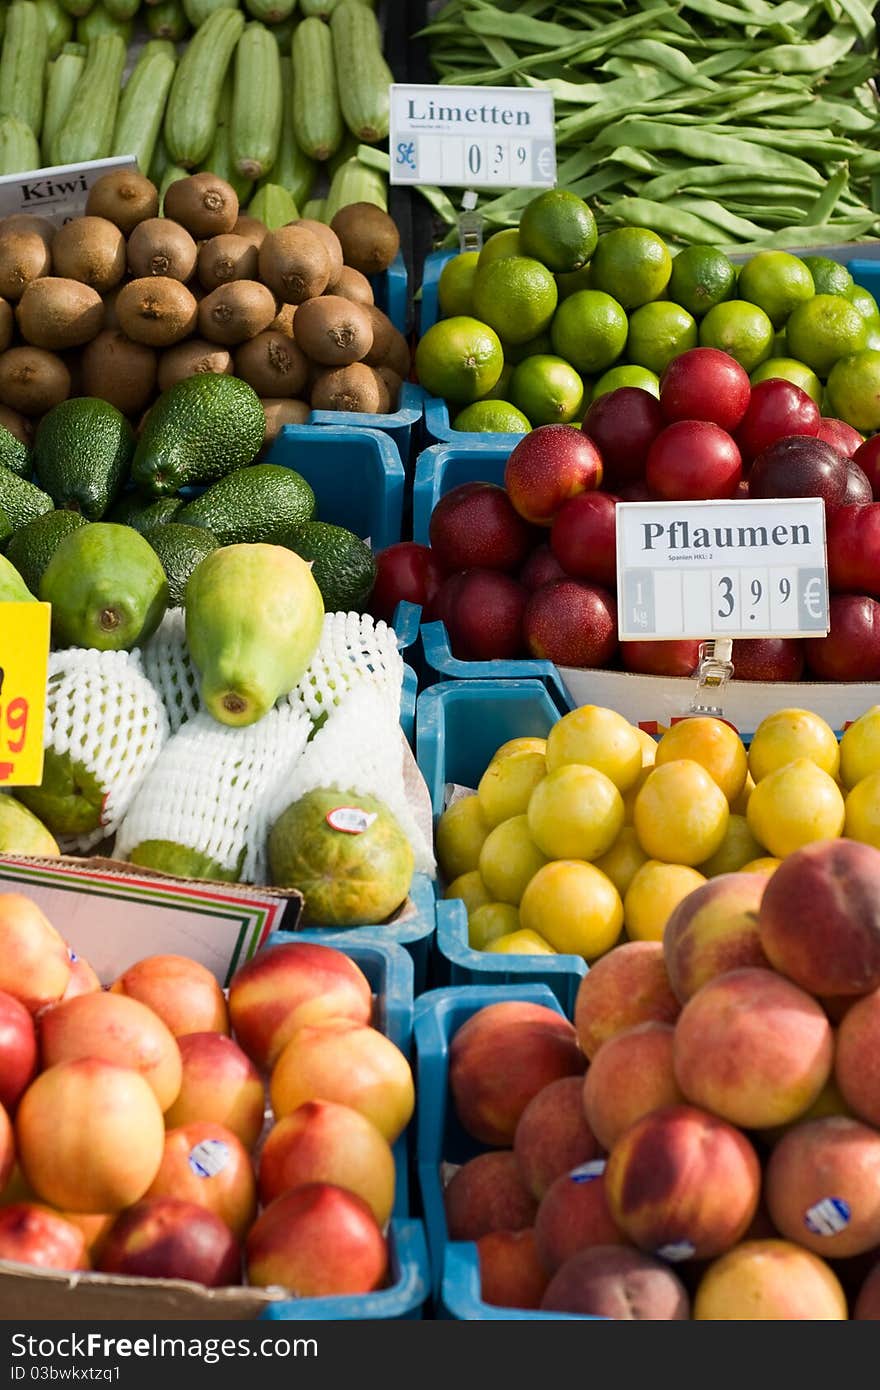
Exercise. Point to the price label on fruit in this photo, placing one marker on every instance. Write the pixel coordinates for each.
(472, 137)
(24, 657)
(58, 194)
(722, 569)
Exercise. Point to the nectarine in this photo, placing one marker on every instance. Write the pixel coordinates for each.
(220, 1083)
(511, 1275)
(33, 1235)
(631, 1075)
(114, 1029)
(769, 1281)
(208, 1165)
(487, 1194)
(552, 1135)
(34, 965)
(325, 1142)
(574, 1215)
(857, 1063)
(182, 992)
(315, 1241)
(715, 929)
(165, 1238)
(18, 1050)
(628, 986)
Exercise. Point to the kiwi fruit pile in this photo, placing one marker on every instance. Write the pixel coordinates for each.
(122, 303)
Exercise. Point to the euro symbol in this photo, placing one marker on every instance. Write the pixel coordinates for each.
(406, 154)
(813, 598)
(545, 164)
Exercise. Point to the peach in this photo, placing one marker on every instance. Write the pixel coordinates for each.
(511, 1275)
(316, 1241)
(350, 1063)
(715, 929)
(857, 1063)
(823, 1186)
(206, 1164)
(282, 988)
(325, 1142)
(182, 992)
(753, 1048)
(552, 1135)
(628, 986)
(867, 1306)
(574, 1215)
(614, 1281)
(83, 979)
(33, 1235)
(90, 1135)
(113, 1029)
(34, 966)
(487, 1194)
(769, 1281)
(820, 918)
(501, 1058)
(219, 1083)
(94, 1228)
(683, 1184)
(631, 1075)
(165, 1238)
(7, 1148)
(18, 1050)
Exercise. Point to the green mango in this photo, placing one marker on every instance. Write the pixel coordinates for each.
(107, 588)
(253, 621)
(12, 587)
(69, 799)
(22, 833)
(182, 862)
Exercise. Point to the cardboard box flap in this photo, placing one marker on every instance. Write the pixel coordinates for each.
(28, 1295)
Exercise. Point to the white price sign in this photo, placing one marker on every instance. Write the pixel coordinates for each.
(472, 137)
(722, 569)
(59, 193)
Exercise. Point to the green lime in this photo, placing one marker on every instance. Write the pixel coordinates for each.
(547, 390)
(787, 369)
(702, 276)
(456, 284)
(631, 264)
(743, 330)
(864, 302)
(577, 280)
(491, 417)
(516, 296)
(854, 391)
(825, 329)
(558, 229)
(659, 332)
(460, 359)
(873, 332)
(501, 245)
(500, 391)
(516, 353)
(777, 282)
(627, 376)
(829, 277)
(589, 330)
(780, 344)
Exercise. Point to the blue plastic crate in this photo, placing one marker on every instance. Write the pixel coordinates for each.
(867, 274)
(391, 292)
(462, 1299)
(442, 467)
(402, 425)
(355, 473)
(458, 964)
(403, 1300)
(430, 303)
(442, 665)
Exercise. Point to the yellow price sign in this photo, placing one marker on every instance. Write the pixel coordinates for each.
(24, 659)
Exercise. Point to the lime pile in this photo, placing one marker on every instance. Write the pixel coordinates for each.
(549, 316)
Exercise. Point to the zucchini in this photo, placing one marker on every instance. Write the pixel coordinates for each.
(270, 11)
(159, 163)
(100, 21)
(3, 9)
(292, 169)
(197, 11)
(23, 65)
(317, 115)
(168, 21)
(273, 206)
(317, 9)
(353, 182)
(314, 209)
(357, 47)
(255, 124)
(77, 7)
(172, 173)
(87, 133)
(283, 33)
(142, 104)
(122, 9)
(19, 151)
(64, 74)
(219, 158)
(154, 46)
(191, 118)
(59, 25)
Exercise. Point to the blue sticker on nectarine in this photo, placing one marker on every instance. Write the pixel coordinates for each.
(588, 1171)
(209, 1158)
(676, 1251)
(828, 1217)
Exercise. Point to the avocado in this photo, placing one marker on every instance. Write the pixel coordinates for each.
(262, 503)
(12, 587)
(5, 529)
(143, 513)
(14, 455)
(107, 588)
(32, 546)
(180, 548)
(20, 500)
(200, 429)
(81, 454)
(343, 566)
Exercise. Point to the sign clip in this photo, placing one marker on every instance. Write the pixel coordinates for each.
(470, 223)
(712, 674)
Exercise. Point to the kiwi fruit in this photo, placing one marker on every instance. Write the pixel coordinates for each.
(283, 320)
(196, 357)
(32, 380)
(24, 256)
(119, 371)
(283, 412)
(352, 285)
(295, 264)
(332, 246)
(393, 384)
(55, 313)
(235, 312)
(91, 250)
(252, 228)
(203, 203)
(398, 357)
(125, 198)
(272, 364)
(26, 222)
(384, 393)
(7, 324)
(156, 310)
(333, 331)
(352, 388)
(16, 424)
(383, 337)
(370, 239)
(226, 257)
(160, 247)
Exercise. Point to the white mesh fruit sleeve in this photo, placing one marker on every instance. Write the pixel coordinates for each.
(168, 665)
(354, 648)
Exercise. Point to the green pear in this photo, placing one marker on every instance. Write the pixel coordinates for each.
(22, 833)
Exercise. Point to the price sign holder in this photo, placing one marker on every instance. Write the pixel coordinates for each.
(24, 657)
(58, 193)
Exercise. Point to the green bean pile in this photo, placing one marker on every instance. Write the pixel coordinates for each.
(740, 123)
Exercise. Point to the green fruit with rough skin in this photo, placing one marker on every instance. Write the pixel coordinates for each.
(343, 566)
(32, 546)
(254, 616)
(5, 528)
(20, 500)
(181, 862)
(198, 431)
(107, 588)
(12, 587)
(22, 833)
(264, 502)
(14, 455)
(69, 799)
(81, 454)
(180, 548)
(144, 513)
(353, 869)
